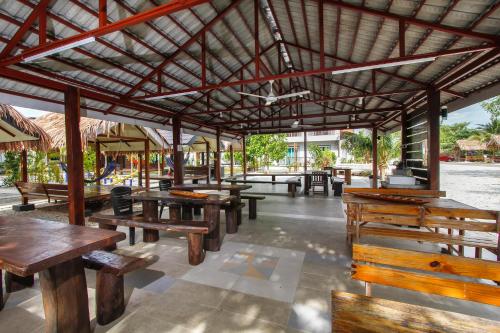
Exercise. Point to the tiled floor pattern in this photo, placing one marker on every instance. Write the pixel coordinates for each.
(274, 275)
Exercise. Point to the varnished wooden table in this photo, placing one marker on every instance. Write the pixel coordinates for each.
(359, 313)
(355, 203)
(347, 173)
(211, 208)
(234, 190)
(54, 250)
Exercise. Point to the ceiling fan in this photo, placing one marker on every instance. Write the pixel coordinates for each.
(297, 124)
(272, 98)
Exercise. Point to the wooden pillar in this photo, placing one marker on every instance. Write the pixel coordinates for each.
(207, 157)
(24, 171)
(374, 158)
(433, 112)
(231, 158)
(244, 155)
(162, 162)
(305, 151)
(74, 156)
(146, 162)
(217, 158)
(404, 136)
(139, 170)
(97, 161)
(178, 153)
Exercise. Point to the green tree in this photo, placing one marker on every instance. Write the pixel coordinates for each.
(322, 157)
(37, 167)
(449, 134)
(263, 149)
(493, 126)
(12, 168)
(89, 160)
(358, 145)
(388, 147)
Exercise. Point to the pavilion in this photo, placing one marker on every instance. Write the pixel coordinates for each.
(228, 69)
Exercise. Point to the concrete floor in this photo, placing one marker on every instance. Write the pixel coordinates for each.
(274, 275)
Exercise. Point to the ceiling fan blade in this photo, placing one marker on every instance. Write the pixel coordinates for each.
(305, 92)
(252, 95)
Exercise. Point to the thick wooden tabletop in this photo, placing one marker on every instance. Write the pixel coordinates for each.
(359, 313)
(104, 191)
(28, 246)
(211, 187)
(186, 177)
(216, 199)
(350, 198)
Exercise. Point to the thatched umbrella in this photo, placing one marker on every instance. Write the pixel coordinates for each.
(18, 133)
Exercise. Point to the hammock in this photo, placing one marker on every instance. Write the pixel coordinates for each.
(170, 162)
(107, 171)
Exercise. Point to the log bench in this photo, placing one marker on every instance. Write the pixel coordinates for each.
(194, 230)
(252, 204)
(14, 283)
(292, 183)
(110, 267)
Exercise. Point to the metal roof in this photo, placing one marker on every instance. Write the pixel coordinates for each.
(300, 42)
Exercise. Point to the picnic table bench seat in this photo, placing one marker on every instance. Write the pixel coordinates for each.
(292, 183)
(110, 268)
(252, 204)
(193, 229)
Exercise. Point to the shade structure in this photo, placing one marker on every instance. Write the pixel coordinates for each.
(190, 59)
(19, 133)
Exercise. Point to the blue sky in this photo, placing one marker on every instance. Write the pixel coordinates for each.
(473, 114)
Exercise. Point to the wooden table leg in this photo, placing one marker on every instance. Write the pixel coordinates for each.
(65, 299)
(150, 211)
(212, 240)
(196, 253)
(108, 227)
(348, 177)
(231, 219)
(306, 184)
(174, 210)
(237, 194)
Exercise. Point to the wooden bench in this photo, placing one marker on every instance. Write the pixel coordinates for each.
(414, 270)
(194, 230)
(31, 191)
(475, 228)
(14, 283)
(292, 183)
(197, 171)
(110, 267)
(252, 204)
(397, 191)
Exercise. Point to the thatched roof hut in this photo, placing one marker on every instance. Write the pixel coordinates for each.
(471, 145)
(18, 132)
(113, 136)
(494, 143)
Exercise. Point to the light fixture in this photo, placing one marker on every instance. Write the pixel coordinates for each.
(60, 49)
(170, 96)
(444, 113)
(390, 64)
(360, 100)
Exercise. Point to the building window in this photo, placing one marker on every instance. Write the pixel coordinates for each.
(325, 147)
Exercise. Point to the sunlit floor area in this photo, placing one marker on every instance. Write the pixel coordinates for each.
(274, 275)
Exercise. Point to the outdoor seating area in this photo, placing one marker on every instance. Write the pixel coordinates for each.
(247, 166)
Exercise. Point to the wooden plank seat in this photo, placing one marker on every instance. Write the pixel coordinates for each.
(110, 267)
(194, 230)
(398, 191)
(360, 313)
(31, 190)
(292, 183)
(252, 204)
(414, 270)
(476, 228)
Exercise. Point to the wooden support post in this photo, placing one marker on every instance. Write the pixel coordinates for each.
(374, 158)
(433, 112)
(76, 203)
(231, 158)
(139, 170)
(244, 156)
(404, 136)
(217, 158)
(207, 157)
(178, 153)
(24, 171)
(162, 162)
(305, 151)
(98, 161)
(146, 163)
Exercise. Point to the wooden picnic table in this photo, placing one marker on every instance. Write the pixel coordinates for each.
(193, 178)
(234, 190)
(355, 204)
(347, 173)
(101, 192)
(359, 313)
(54, 250)
(211, 208)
